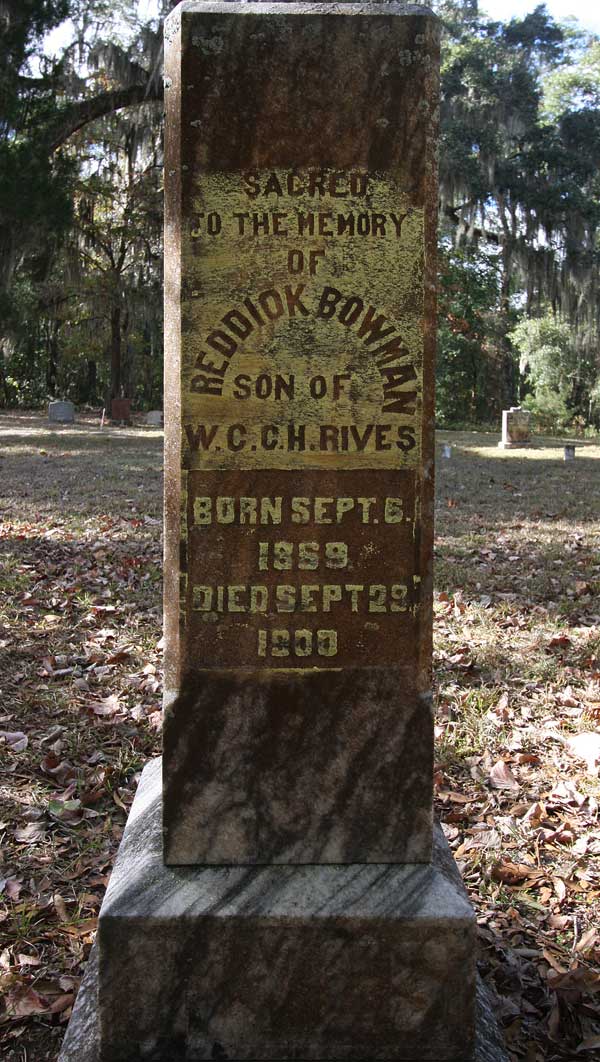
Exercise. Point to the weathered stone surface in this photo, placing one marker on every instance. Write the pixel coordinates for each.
(296, 769)
(155, 418)
(330, 962)
(60, 412)
(516, 428)
(269, 962)
(82, 1041)
(300, 273)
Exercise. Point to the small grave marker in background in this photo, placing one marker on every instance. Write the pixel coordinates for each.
(61, 412)
(155, 418)
(120, 410)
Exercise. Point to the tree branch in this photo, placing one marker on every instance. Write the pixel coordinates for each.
(76, 115)
(452, 213)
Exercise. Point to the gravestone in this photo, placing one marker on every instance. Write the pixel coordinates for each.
(61, 412)
(155, 418)
(281, 892)
(299, 454)
(516, 428)
(120, 410)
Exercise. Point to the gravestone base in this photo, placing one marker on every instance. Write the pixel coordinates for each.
(82, 1042)
(345, 962)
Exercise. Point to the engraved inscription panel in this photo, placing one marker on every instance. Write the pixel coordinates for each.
(311, 571)
(303, 322)
(302, 354)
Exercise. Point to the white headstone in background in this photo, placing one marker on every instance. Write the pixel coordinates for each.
(155, 418)
(516, 428)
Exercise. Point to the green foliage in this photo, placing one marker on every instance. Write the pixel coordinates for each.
(80, 281)
(35, 204)
(23, 24)
(550, 413)
(80, 226)
(547, 353)
(490, 99)
(575, 86)
(520, 166)
(468, 337)
(559, 374)
(24, 360)
(33, 185)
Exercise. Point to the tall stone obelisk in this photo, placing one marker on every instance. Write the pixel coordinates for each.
(301, 193)
(294, 901)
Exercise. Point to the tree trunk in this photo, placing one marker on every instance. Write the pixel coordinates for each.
(53, 328)
(115, 352)
(3, 387)
(81, 112)
(508, 382)
(91, 382)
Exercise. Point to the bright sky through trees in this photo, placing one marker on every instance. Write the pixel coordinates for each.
(587, 12)
(58, 38)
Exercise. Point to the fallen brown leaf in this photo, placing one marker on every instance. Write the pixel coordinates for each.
(108, 706)
(22, 1002)
(559, 642)
(16, 740)
(60, 907)
(589, 942)
(590, 1044)
(32, 833)
(455, 798)
(29, 960)
(501, 777)
(61, 1003)
(515, 873)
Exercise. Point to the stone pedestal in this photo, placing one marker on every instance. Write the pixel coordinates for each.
(314, 767)
(82, 1042)
(311, 962)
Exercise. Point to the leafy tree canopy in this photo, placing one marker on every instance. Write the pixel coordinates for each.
(80, 205)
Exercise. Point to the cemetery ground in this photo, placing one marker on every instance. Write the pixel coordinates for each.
(517, 673)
